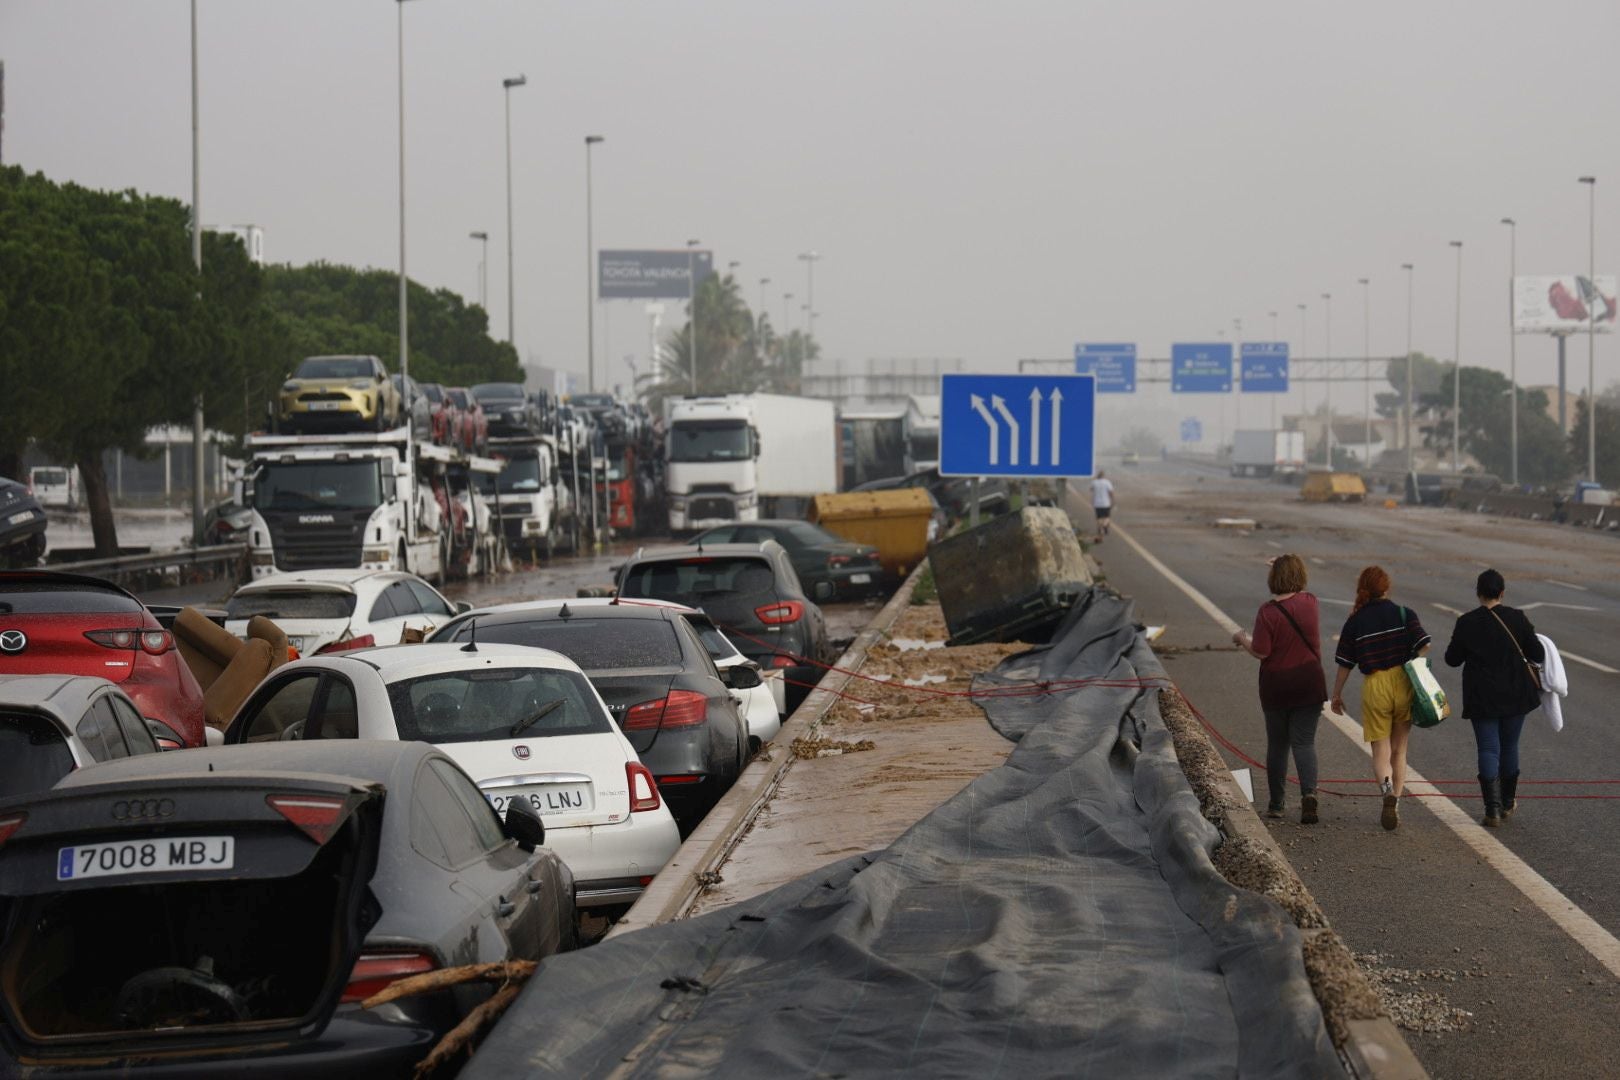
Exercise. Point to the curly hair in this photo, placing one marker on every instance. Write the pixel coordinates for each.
(1372, 584)
(1287, 575)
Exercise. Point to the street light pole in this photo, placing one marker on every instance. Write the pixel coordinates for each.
(1513, 349)
(198, 426)
(692, 316)
(1591, 327)
(590, 271)
(810, 258)
(1366, 369)
(1327, 348)
(511, 289)
(1304, 348)
(483, 264)
(1456, 372)
(1407, 417)
(404, 323)
(1273, 315)
(787, 313)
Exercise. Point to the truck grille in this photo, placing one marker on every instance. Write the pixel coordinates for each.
(708, 508)
(303, 545)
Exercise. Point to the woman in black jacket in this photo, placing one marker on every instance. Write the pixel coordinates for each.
(1492, 645)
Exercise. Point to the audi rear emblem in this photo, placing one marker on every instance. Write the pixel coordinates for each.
(13, 641)
(142, 809)
(521, 752)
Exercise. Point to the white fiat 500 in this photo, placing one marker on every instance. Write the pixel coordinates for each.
(524, 723)
(327, 611)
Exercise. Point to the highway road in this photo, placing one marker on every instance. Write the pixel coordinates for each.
(1434, 898)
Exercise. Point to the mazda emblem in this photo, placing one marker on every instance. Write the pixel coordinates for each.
(142, 809)
(13, 641)
(521, 752)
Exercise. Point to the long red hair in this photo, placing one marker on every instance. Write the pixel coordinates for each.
(1372, 584)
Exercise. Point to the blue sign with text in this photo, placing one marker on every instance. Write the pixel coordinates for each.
(1192, 430)
(1017, 425)
(1114, 366)
(1201, 369)
(1264, 367)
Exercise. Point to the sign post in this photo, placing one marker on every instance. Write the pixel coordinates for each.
(1018, 426)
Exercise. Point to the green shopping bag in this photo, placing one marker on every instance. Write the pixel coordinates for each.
(1429, 704)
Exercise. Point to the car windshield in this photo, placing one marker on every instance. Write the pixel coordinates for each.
(710, 440)
(492, 703)
(290, 604)
(335, 367)
(592, 401)
(24, 597)
(498, 391)
(693, 580)
(33, 754)
(318, 485)
(593, 644)
(520, 473)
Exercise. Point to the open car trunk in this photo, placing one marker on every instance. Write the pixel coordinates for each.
(142, 914)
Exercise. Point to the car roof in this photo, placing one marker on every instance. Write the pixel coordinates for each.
(60, 577)
(64, 697)
(395, 662)
(326, 578)
(598, 609)
(688, 551)
(376, 760)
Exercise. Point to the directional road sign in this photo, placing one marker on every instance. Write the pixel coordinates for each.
(1017, 425)
(1192, 430)
(1114, 366)
(1264, 365)
(1201, 369)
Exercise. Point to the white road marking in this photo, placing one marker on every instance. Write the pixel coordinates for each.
(1568, 585)
(1602, 945)
(1318, 560)
(1549, 603)
(1593, 664)
(1274, 544)
(1447, 609)
(1330, 600)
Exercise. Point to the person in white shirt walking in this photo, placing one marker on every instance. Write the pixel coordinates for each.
(1102, 502)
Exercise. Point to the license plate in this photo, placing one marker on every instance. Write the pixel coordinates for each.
(297, 643)
(17, 519)
(548, 798)
(324, 406)
(860, 579)
(145, 857)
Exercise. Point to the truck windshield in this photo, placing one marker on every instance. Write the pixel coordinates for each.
(710, 440)
(925, 446)
(318, 485)
(521, 473)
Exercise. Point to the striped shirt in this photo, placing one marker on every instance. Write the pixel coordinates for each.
(1379, 636)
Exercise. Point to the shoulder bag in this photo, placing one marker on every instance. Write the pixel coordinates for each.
(1306, 681)
(1534, 672)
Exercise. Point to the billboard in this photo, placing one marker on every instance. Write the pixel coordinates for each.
(649, 274)
(1546, 305)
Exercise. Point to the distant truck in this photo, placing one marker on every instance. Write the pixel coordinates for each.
(875, 445)
(922, 432)
(727, 457)
(55, 486)
(534, 504)
(1268, 453)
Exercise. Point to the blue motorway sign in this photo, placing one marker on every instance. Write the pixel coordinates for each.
(1264, 367)
(1192, 430)
(1114, 366)
(1017, 425)
(1201, 369)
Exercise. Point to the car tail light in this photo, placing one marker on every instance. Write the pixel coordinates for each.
(344, 644)
(838, 560)
(784, 612)
(643, 788)
(680, 778)
(315, 815)
(10, 824)
(781, 660)
(374, 972)
(682, 708)
(156, 642)
(115, 639)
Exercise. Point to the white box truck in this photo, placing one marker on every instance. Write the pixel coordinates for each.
(798, 452)
(1268, 453)
(727, 457)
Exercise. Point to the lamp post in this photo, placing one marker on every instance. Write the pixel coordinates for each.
(1456, 372)
(787, 312)
(1366, 369)
(1407, 414)
(404, 324)
(1327, 348)
(1513, 349)
(692, 299)
(1304, 348)
(590, 274)
(809, 258)
(1591, 327)
(483, 268)
(511, 290)
(1273, 315)
(198, 428)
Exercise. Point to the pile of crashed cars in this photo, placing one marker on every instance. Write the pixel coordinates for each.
(308, 834)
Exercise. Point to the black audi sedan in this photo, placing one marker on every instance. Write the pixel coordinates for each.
(817, 555)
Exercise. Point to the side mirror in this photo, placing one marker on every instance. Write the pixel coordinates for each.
(741, 677)
(523, 824)
(212, 736)
(823, 591)
(461, 607)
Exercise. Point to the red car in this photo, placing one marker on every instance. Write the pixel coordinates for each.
(67, 624)
(474, 425)
(446, 417)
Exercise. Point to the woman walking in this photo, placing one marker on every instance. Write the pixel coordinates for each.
(1494, 645)
(1287, 642)
(1379, 637)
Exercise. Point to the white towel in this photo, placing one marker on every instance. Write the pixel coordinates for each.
(1554, 684)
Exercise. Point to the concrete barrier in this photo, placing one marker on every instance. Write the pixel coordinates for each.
(1590, 514)
(1510, 504)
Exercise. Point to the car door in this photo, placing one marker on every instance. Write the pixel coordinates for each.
(137, 735)
(99, 731)
(436, 610)
(394, 609)
(815, 621)
(280, 706)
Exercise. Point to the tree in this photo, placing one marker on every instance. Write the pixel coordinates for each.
(1608, 442)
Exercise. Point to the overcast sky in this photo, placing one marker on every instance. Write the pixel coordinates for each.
(986, 180)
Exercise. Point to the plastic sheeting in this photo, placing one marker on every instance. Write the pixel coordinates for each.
(1058, 916)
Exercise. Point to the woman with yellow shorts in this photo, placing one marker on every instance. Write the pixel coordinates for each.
(1379, 637)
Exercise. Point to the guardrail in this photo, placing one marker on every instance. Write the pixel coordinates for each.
(218, 559)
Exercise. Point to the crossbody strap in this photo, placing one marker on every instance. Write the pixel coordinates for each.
(1314, 651)
(1511, 635)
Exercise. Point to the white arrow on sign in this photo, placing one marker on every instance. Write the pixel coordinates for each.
(1012, 425)
(1035, 426)
(1057, 424)
(995, 440)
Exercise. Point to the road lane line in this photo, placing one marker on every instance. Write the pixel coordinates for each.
(1602, 945)
(1274, 544)
(1568, 585)
(1446, 608)
(1593, 664)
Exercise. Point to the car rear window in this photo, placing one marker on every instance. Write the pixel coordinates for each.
(716, 644)
(493, 703)
(290, 604)
(62, 598)
(497, 391)
(33, 754)
(699, 578)
(593, 644)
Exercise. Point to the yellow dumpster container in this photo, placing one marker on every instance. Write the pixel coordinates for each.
(895, 522)
(1333, 487)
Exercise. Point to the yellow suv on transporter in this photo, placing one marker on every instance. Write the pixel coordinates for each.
(339, 393)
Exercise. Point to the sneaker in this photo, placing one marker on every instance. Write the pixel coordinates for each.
(1307, 809)
(1391, 816)
(1274, 811)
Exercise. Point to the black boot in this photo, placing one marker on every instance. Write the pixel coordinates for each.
(1490, 788)
(1510, 794)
